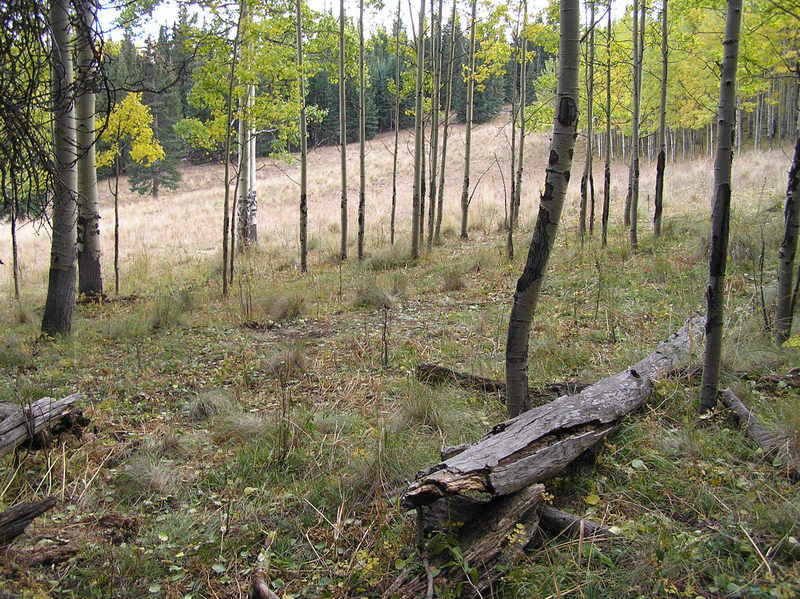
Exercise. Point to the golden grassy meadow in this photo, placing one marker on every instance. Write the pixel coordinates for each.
(180, 227)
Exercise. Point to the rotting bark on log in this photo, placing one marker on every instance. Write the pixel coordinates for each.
(14, 521)
(434, 374)
(38, 421)
(495, 538)
(557, 522)
(541, 442)
(260, 588)
(775, 445)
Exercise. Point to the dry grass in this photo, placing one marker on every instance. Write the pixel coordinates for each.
(180, 228)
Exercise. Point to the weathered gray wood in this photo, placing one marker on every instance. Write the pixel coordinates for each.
(774, 444)
(14, 521)
(539, 443)
(27, 421)
(493, 534)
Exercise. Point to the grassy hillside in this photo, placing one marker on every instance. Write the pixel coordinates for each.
(265, 429)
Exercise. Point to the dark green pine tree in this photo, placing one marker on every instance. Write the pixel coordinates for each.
(163, 98)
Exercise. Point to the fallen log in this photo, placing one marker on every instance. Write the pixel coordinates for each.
(14, 521)
(556, 522)
(541, 442)
(34, 422)
(435, 374)
(495, 538)
(776, 446)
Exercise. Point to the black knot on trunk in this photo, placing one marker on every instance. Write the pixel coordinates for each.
(634, 374)
(567, 111)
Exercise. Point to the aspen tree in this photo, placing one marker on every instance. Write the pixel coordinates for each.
(562, 145)
(662, 125)
(419, 146)
(607, 169)
(468, 134)
(362, 133)
(303, 143)
(90, 277)
(60, 301)
(721, 211)
(446, 130)
(342, 132)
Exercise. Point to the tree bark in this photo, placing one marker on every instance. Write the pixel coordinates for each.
(14, 521)
(607, 169)
(26, 422)
(446, 130)
(57, 319)
(397, 84)
(14, 248)
(587, 165)
(419, 146)
(562, 145)
(788, 250)
(774, 445)
(720, 217)
(342, 132)
(468, 133)
(633, 186)
(436, 59)
(303, 146)
(522, 102)
(90, 277)
(662, 125)
(244, 171)
(362, 133)
(541, 442)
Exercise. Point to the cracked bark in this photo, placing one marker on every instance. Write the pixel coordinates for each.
(541, 442)
(552, 200)
(720, 217)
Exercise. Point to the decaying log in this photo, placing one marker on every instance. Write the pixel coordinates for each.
(434, 374)
(29, 422)
(495, 538)
(556, 522)
(541, 442)
(14, 521)
(260, 588)
(774, 444)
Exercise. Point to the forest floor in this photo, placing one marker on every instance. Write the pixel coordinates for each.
(265, 429)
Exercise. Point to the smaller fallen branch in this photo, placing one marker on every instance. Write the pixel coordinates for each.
(434, 374)
(556, 522)
(37, 421)
(14, 521)
(775, 445)
(260, 588)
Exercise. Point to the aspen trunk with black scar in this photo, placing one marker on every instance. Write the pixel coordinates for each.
(662, 126)
(436, 59)
(303, 145)
(468, 133)
(517, 196)
(446, 130)
(633, 186)
(362, 133)
(419, 147)
(90, 277)
(57, 319)
(557, 177)
(342, 134)
(607, 169)
(788, 251)
(720, 216)
(396, 122)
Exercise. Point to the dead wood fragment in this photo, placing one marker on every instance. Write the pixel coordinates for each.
(434, 374)
(260, 588)
(556, 522)
(14, 521)
(494, 539)
(775, 445)
(541, 442)
(39, 421)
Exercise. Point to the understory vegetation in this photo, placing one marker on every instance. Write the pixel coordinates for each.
(277, 427)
